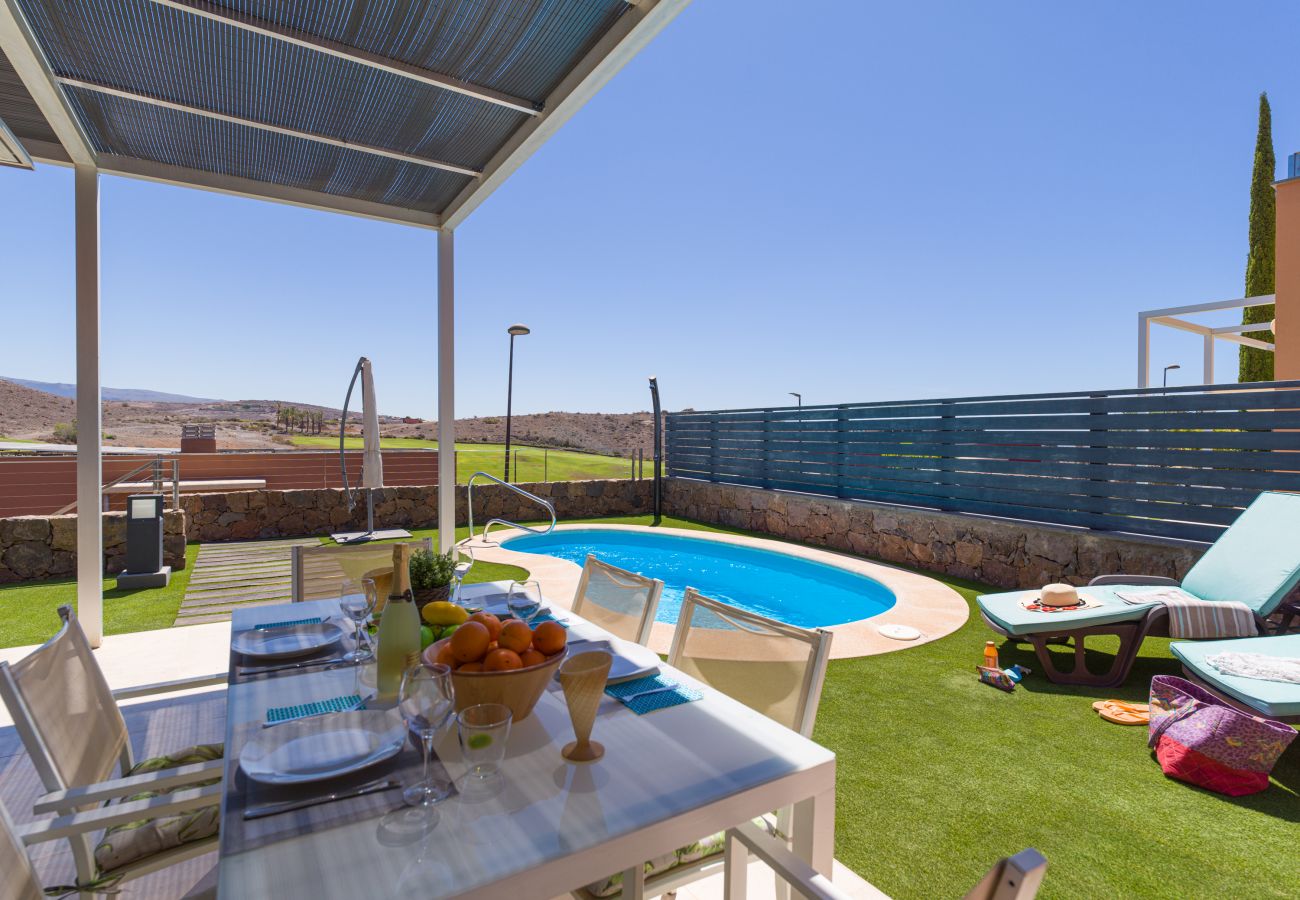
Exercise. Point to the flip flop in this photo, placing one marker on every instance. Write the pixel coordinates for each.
(1122, 704)
(1123, 713)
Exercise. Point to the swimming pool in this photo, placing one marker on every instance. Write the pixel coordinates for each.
(778, 585)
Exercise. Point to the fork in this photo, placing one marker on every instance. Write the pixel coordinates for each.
(627, 698)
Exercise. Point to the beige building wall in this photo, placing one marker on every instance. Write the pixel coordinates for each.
(1287, 362)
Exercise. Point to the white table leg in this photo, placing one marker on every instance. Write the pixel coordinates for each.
(736, 868)
(634, 882)
(814, 831)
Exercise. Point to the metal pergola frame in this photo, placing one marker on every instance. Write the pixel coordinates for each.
(1169, 317)
(630, 32)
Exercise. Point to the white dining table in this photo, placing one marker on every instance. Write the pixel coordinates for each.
(667, 778)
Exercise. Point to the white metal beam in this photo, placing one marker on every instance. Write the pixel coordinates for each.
(1181, 325)
(1261, 300)
(1243, 328)
(1248, 342)
(28, 60)
(633, 30)
(262, 190)
(12, 151)
(446, 391)
(263, 126)
(1144, 350)
(1207, 359)
(90, 521)
(351, 54)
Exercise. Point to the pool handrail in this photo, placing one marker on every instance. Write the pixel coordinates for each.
(469, 505)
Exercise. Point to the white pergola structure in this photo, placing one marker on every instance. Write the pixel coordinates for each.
(1233, 333)
(406, 111)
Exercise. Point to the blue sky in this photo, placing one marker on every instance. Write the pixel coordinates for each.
(854, 201)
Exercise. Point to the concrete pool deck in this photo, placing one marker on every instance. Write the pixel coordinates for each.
(923, 603)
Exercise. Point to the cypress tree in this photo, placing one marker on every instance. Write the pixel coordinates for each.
(1253, 364)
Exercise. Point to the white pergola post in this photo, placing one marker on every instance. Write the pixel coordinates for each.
(446, 391)
(90, 525)
(1208, 359)
(1144, 350)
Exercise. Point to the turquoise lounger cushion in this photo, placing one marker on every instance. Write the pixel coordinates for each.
(1257, 560)
(1271, 698)
(1006, 612)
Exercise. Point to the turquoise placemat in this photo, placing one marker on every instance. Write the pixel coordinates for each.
(674, 696)
(288, 624)
(315, 708)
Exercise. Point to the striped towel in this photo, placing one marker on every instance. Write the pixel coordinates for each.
(1196, 619)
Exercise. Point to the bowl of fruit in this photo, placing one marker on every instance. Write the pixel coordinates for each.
(500, 662)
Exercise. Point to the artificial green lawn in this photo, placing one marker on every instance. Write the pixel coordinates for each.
(528, 464)
(939, 775)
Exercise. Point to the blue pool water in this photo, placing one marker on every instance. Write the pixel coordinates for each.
(778, 585)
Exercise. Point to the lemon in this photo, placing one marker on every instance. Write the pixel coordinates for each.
(441, 612)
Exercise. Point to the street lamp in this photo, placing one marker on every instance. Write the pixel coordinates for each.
(1165, 378)
(514, 331)
(797, 397)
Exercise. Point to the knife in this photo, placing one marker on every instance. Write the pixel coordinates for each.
(284, 667)
(274, 809)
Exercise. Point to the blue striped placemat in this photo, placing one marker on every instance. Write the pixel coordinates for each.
(288, 624)
(315, 708)
(678, 695)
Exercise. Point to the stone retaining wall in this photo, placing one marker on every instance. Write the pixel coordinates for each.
(243, 515)
(36, 548)
(998, 552)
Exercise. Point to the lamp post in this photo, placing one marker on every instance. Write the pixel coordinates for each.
(798, 398)
(1164, 381)
(514, 331)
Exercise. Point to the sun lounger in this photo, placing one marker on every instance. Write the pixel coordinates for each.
(1256, 561)
(1275, 699)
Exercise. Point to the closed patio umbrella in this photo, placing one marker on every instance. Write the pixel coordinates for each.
(372, 462)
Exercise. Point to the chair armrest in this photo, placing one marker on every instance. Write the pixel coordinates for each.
(161, 780)
(1133, 579)
(803, 878)
(167, 687)
(119, 814)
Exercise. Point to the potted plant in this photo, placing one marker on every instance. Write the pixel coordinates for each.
(431, 575)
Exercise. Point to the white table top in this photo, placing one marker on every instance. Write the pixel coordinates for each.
(667, 778)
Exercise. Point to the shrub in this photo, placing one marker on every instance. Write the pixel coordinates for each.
(65, 433)
(431, 570)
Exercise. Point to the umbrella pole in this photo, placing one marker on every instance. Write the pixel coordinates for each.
(370, 511)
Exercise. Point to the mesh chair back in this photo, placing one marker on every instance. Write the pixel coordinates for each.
(319, 572)
(771, 667)
(64, 711)
(621, 602)
(19, 881)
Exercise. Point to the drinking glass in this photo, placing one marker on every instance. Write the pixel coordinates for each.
(525, 600)
(357, 604)
(484, 730)
(458, 575)
(427, 700)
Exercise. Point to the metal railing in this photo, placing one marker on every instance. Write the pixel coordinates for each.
(469, 505)
(155, 467)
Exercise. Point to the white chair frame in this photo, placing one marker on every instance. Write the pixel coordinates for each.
(655, 586)
(297, 580)
(61, 797)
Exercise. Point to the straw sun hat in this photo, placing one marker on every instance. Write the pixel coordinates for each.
(1057, 596)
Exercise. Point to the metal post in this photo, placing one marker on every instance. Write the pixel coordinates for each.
(510, 389)
(446, 392)
(90, 473)
(1144, 351)
(658, 438)
(1209, 359)
(546, 467)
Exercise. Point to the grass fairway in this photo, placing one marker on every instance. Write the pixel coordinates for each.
(532, 464)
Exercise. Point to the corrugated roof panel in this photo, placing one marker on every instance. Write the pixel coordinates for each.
(18, 110)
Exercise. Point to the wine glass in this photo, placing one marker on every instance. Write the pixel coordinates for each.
(357, 603)
(427, 700)
(525, 600)
(458, 575)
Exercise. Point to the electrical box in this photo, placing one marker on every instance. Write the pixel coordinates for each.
(144, 543)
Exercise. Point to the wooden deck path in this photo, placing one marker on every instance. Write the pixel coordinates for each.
(249, 573)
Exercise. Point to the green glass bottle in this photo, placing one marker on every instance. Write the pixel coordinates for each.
(399, 629)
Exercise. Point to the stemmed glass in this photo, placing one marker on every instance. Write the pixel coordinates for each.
(357, 605)
(427, 699)
(525, 600)
(458, 575)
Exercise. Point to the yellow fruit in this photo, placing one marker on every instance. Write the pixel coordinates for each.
(440, 612)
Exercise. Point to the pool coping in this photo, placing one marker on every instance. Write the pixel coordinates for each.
(922, 602)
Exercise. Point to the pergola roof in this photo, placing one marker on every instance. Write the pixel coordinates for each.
(406, 110)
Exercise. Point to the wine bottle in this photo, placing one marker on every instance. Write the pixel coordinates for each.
(399, 629)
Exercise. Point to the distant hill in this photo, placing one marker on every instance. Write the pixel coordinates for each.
(129, 395)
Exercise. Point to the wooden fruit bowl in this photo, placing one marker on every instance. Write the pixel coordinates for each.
(519, 689)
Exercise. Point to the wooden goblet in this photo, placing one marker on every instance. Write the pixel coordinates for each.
(583, 679)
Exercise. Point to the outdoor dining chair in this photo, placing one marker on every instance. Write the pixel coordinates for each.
(318, 572)
(773, 668)
(621, 602)
(158, 812)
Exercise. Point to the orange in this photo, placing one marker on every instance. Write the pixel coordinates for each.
(470, 667)
(502, 661)
(445, 656)
(516, 636)
(531, 657)
(469, 642)
(550, 637)
(492, 623)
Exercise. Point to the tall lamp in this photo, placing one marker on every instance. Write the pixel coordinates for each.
(514, 331)
(798, 398)
(1164, 380)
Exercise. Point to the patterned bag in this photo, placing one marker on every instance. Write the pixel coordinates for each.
(1202, 740)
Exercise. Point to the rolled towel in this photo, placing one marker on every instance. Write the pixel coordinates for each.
(1258, 666)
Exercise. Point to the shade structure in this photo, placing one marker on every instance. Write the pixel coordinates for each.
(372, 462)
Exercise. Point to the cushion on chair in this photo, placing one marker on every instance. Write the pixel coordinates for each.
(682, 856)
(1271, 698)
(124, 844)
(1257, 560)
(1006, 611)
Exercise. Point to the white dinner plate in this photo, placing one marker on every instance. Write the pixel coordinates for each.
(630, 660)
(286, 642)
(323, 747)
